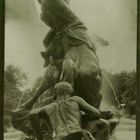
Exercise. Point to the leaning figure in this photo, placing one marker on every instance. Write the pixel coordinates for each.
(65, 115)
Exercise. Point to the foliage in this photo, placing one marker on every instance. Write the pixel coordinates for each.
(14, 79)
(124, 84)
(14, 76)
(28, 93)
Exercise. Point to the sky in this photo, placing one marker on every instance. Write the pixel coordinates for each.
(112, 21)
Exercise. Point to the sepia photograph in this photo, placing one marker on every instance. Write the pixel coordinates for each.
(70, 70)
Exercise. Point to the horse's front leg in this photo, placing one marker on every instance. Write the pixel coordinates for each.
(69, 71)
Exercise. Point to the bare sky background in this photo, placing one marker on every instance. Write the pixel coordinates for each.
(111, 23)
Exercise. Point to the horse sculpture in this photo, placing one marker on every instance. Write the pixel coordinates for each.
(69, 56)
(69, 53)
(68, 41)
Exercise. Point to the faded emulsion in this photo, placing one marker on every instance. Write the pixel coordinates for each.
(69, 103)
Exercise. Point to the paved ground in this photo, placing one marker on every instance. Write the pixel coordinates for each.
(124, 131)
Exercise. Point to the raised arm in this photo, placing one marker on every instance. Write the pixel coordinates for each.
(84, 106)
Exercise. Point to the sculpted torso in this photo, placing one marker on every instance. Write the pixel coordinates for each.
(64, 116)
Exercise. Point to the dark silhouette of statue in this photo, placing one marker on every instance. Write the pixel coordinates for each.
(69, 53)
(65, 114)
(72, 66)
(71, 50)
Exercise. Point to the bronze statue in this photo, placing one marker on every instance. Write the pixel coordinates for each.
(65, 114)
(20, 121)
(62, 116)
(70, 55)
(72, 66)
(70, 47)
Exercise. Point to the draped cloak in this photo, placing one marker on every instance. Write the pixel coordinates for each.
(66, 29)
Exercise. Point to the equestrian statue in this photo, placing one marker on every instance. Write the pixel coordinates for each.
(73, 73)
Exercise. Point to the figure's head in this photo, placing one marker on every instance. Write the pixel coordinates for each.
(63, 88)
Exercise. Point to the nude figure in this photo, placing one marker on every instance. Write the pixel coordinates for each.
(65, 114)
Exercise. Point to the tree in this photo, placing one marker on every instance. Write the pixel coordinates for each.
(14, 79)
(124, 84)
